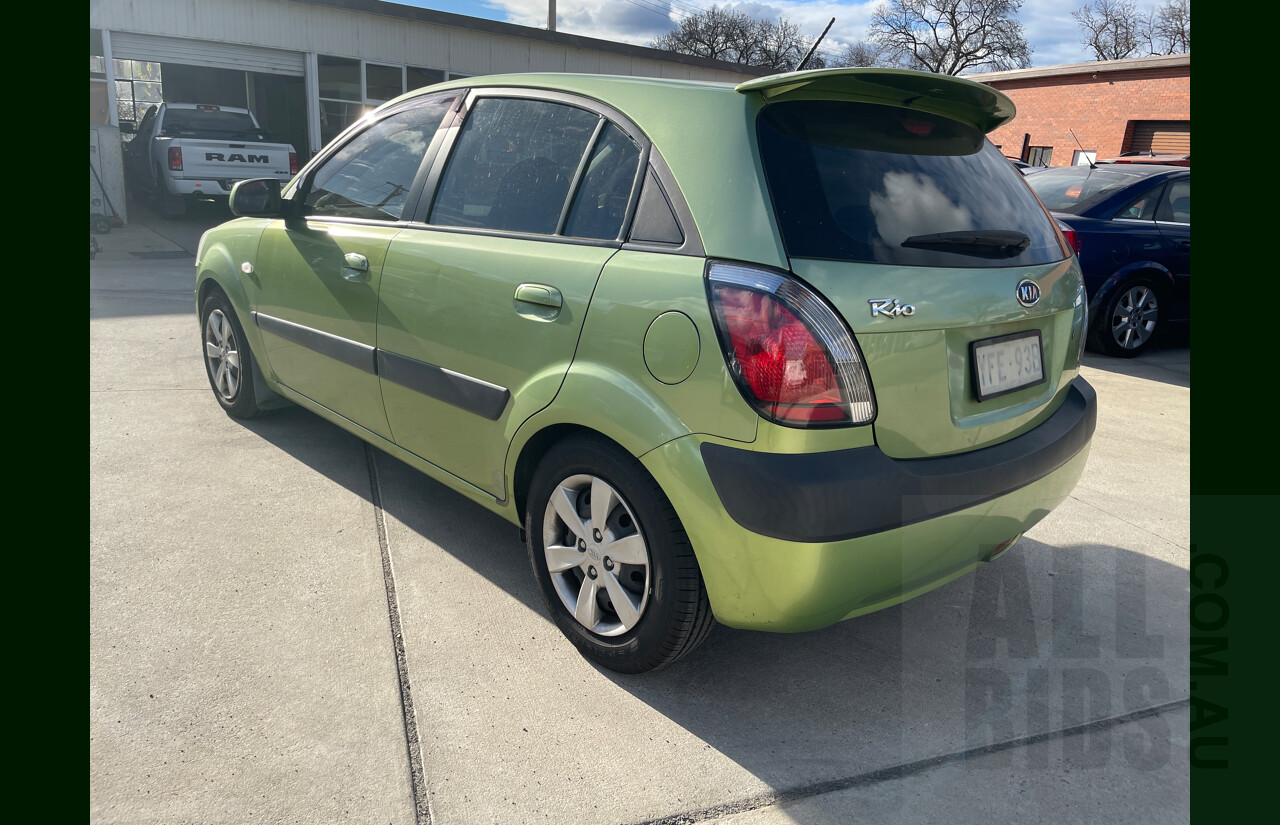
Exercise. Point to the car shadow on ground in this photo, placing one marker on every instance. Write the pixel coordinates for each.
(1167, 360)
(1049, 637)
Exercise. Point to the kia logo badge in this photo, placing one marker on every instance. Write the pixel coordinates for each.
(1028, 292)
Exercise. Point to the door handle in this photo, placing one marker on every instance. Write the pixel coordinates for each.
(1184, 245)
(355, 267)
(540, 294)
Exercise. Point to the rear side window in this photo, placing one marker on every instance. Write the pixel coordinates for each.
(882, 184)
(513, 165)
(1176, 204)
(600, 206)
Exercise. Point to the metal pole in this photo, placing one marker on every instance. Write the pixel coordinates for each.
(551, 15)
(814, 47)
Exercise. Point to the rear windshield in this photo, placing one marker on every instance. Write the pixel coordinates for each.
(210, 123)
(1074, 189)
(882, 184)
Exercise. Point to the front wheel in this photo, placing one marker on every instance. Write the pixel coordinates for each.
(611, 558)
(227, 359)
(1130, 319)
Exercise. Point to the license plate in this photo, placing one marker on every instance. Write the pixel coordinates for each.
(1006, 364)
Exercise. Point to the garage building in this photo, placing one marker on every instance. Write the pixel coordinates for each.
(309, 68)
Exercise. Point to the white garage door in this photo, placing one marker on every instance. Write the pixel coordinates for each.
(129, 46)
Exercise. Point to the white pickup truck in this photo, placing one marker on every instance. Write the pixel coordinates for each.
(184, 151)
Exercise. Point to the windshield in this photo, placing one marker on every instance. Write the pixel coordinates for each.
(1074, 189)
(883, 184)
(210, 123)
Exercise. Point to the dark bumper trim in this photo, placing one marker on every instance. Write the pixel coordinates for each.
(820, 497)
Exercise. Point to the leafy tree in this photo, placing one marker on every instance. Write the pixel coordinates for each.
(951, 36)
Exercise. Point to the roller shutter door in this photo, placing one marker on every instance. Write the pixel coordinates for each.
(126, 45)
(1172, 136)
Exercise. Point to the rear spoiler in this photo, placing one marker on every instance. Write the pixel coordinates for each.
(956, 98)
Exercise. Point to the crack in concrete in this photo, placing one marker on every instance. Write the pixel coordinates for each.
(907, 768)
(417, 773)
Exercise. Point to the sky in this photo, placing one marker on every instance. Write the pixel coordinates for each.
(1053, 34)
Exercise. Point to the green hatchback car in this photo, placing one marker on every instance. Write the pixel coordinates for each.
(774, 355)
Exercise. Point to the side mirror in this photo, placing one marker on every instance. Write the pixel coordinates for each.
(128, 127)
(257, 198)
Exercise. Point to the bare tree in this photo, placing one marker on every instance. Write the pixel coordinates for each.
(1112, 29)
(1170, 28)
(950, 36)
(734, 36)
(859, 55)
(717, 33)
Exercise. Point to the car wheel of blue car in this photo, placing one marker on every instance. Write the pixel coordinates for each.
(1130, 320)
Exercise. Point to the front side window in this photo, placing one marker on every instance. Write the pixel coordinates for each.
(882, 184)
(371, 176)
(513, 165)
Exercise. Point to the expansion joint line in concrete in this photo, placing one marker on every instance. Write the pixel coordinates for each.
(908, 768)
(417, 774)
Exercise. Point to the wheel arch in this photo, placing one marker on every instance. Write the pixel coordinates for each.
(593, 399)
(1152, 269)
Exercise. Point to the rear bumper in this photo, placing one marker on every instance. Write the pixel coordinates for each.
(914, 529)
(851, 493)
(210, 188)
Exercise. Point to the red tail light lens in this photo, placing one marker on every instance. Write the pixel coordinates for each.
(293, 163)
(175, 158)
(1073, 239)
(792, 357)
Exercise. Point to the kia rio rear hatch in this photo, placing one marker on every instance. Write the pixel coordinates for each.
(960, 291)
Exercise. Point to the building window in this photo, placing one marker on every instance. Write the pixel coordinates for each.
(138, 88)
(97, 63)
(1040, 155)
(1082, 158)
(416, 78)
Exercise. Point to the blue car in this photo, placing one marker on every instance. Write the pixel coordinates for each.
(1130, 225)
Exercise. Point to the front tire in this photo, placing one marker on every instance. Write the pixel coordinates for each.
(227, 359)
(1130, 320)
(611, 558)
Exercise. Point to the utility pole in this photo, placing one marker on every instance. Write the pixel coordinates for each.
(551, 15)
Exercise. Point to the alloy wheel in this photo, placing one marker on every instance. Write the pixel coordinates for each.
(222, 354)
(596, 555)
(1135, 316)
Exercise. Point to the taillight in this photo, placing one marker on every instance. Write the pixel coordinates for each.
(792, 357)
(175, 158)
(293, 163)
(1073, 239)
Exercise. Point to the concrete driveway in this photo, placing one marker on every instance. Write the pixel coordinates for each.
(288, 626)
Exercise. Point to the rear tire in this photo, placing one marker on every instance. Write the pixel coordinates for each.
(619, 578)
(1130, 320)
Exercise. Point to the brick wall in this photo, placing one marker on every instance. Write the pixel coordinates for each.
(1098, 110)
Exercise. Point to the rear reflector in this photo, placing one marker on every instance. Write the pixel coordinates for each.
(175, 158)
(792, 357)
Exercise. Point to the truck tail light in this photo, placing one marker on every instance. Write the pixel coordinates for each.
(793, 358)
(175, 158)
(293, 163)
